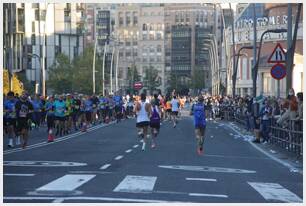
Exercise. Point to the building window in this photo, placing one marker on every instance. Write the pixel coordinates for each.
(151, 36)
(127, 43)
(144, 59)
(121, 54)
(159, 59)
(33, 26)
(36, 15)
(152, 59)
(135, 43)
(128, 18)
(158, 36)
(35, 5)
(128, 54)
(33, 39)
(144, 27)
(152, 50)
(135, 19)
(159, 48)
(151, 27)
(135, 54)
(144, 36)
(43, 15)
(120, 19)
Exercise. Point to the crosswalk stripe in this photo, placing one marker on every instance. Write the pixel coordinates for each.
(105, 166)
(136, 184)
(66, 183)
(274, 191)
(19, 175)
(202, 179)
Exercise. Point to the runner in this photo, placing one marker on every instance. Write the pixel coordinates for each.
(199, 123)
(60, 109)
(10, 118)
(174, 108)
(37, 114)
(50, 117)
(23, 111)
(95, 104)
(143, 111)
(155, 119)
(168, 109)
(88, 112)
(118, 107)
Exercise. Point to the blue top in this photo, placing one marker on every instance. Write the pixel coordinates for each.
(118, 100)
(88, 105)
(9, 109)
(37, 105)
(50, 108)
(199, 115)
(60, 107)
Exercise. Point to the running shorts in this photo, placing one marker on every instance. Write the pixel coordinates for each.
(142, 124)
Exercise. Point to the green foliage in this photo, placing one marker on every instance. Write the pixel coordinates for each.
(151, 79)
(27, 85)
(133, 76)
(76, 76)
(198, 79)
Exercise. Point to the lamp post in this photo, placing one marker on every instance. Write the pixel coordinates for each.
(255, 68)
(234, 77)
(39, 59)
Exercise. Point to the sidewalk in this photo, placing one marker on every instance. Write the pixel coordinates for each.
(288, 159)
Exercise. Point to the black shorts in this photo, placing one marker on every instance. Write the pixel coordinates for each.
(175, 113)
(168, 110)
(88, 116)
(22, 123)
(118, 109)
(155, 125)
(142, 124)
(61, 119)
(9, 122)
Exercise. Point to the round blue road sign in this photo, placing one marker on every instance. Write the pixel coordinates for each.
(278, 71)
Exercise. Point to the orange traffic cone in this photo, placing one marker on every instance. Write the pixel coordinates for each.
(50, 136)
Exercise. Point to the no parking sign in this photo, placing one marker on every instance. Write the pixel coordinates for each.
(278, 71)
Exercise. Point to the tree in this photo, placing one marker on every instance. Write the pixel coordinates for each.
(60, 79)
(198, 79)
(27, 85)
(151, 79)
(132, 76)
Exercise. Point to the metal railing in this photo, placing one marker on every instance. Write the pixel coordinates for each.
(289, 138)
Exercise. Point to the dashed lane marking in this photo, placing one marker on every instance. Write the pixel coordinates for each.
(19, 175)
(128, 151)
(119, 157)
(136, 145)
(201, 179)
(104, 167)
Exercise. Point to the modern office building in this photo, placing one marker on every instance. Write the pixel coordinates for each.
(46, 30)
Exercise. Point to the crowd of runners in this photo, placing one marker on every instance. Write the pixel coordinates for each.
(62, 114)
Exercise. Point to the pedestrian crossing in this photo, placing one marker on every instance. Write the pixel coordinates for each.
(131, 184)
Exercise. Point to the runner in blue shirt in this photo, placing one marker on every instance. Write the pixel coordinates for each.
(60, 109)
(50, 109)
(37, 106)
(88, 106)
(199, 123)
(118, 106)
(10, 118)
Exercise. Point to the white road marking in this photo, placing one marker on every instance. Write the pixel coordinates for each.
(59, 200)
(207, 195)
(21, 175)
(66, 183)
(128, 151)
(88, 198)
(105, 166)
(119, 157)
(201, 179)
(274, 191)
(206, 169)
(136, 145)
(136, 184)
(286, 164)
(43, 164)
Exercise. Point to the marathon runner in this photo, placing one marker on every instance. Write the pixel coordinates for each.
(50, 116)
(10, 118)
(155, 119)
(24, 108)
(175, 109)
(199, 123)
(60, 109)
(118, 106)
(143, 111)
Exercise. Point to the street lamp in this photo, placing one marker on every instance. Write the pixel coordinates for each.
(39, 59)
(255, 69)
(234, 77)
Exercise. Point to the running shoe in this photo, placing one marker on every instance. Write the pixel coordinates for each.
(10, 144)
(18, 140)
(153, 145)
(143, 146)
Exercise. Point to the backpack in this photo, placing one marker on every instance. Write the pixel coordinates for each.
(155, 118)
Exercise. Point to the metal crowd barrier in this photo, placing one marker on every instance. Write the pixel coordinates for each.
(289, 138)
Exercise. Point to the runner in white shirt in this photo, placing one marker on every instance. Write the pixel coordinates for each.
(175, 108)
(143, 111)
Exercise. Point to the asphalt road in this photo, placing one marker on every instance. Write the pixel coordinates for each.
(106, 164)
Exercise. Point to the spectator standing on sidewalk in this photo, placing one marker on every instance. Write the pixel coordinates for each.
(265, 114)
